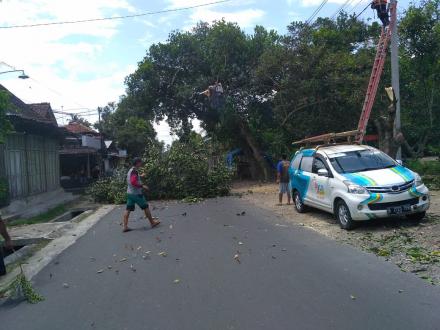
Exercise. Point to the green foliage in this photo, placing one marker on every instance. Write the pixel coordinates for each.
(183, 171)
(5, 125)
(429, 170)
(23, 287)
(424, 167)
(122, 123)
(280, 88)
(110, 190)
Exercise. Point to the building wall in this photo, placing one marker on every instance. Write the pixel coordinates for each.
(30, 164)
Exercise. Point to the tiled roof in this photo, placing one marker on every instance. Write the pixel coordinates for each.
(44, 110)
(22, 110)
(78, 128)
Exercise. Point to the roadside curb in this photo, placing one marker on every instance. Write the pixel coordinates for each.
(44, 256)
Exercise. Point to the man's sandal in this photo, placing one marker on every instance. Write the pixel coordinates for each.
(156, 223)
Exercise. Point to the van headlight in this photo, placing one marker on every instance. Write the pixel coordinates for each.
(354, 188)
(417, 180)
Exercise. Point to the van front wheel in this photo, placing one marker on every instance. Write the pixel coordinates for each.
(342, 213)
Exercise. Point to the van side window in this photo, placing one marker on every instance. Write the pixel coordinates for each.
(318, 164)
(296, 161)
(306, 164)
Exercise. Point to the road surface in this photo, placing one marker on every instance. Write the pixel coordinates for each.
(286, 277)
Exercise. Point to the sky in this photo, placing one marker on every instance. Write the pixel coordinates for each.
(78, 67)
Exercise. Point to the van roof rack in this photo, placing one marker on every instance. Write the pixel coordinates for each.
(330, 138)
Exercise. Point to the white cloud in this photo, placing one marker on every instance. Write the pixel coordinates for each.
(244, 18)
(228, 11)
(47, 55)
(313, 3)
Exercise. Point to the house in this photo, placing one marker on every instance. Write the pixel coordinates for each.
(80, 155)
(29, 159)
(85, 156)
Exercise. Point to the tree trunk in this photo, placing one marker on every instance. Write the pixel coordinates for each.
(246, 134)
(388, 142)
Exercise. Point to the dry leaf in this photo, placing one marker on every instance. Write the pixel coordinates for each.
(176, 281)
(100, 271)
(123, 259)
(162, 254)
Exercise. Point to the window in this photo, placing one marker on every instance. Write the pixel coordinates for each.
(318, 164)
(306, 164)
(360, 161)
(296, 161)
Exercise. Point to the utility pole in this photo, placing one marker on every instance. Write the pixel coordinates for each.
(395, 74)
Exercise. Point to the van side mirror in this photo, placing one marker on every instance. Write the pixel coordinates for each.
(323, 172)
(399, 161)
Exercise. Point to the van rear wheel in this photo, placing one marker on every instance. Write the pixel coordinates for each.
(297, 200)
(342, 214)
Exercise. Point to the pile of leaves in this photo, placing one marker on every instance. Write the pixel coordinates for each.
(182, 172)
(111, 189)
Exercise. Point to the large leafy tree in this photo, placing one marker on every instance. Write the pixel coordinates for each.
(169, 80)
(133, 132)
(420, 75)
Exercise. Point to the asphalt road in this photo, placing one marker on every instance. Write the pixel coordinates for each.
(288, 277)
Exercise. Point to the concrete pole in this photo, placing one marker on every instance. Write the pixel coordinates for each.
(395, 74)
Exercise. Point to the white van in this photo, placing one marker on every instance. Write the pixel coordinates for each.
(355, 183)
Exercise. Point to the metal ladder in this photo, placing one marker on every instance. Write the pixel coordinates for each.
(376, 73)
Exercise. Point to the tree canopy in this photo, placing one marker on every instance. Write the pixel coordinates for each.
(278, 88)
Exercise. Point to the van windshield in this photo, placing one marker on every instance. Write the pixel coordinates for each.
(360, 161)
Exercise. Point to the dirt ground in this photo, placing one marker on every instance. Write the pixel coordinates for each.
(413, 248)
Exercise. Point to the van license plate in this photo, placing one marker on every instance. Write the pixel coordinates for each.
(399, 209)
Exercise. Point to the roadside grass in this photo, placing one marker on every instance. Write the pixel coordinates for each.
(429, 170)
(44, 217)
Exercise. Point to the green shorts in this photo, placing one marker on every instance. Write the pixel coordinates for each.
(132, 200)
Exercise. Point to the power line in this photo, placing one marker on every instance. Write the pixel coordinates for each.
(346, 3)
(317, 10)
(115, 17)
(355, 6)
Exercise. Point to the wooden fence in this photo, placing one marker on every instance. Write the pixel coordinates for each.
(30, 163)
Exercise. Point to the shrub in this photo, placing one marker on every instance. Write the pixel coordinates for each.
(183, 171)
(110, 190)
(429, 171)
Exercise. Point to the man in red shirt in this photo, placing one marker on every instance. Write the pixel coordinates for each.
(136, 196)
